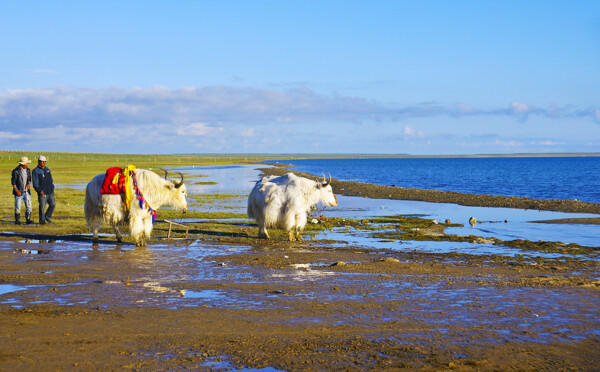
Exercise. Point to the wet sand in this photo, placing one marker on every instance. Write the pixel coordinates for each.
(228, 300)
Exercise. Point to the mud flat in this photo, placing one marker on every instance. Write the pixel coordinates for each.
(225, 300)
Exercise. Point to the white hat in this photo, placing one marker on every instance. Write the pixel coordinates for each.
(24, 160)
(42, 158)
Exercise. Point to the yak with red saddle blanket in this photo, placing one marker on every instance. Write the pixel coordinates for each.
(109, 199)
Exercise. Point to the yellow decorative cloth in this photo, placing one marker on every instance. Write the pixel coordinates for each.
(128, 196)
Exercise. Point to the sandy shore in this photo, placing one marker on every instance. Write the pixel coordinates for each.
(225, 300)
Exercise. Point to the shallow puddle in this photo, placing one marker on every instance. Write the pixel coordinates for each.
(304, 273)
(80, 186)
(344, 237)
(221, 363)
(490, 220)
(207, 294)
(9, 288)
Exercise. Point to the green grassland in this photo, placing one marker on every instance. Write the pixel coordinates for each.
(71, 171)
(81, 167)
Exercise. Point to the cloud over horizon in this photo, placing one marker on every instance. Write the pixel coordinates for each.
(225, 104)
(215, 115)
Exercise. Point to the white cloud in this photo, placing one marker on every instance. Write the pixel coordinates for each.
(61, 134)
(412, 133)
(225, 105)
(546, 143)
(519, 108)
(226, 118)
(509, 143)
(162, 105)
(120, 108)
(9, 135)
(198, 129)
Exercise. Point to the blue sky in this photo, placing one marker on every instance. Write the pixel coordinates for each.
(417, 77)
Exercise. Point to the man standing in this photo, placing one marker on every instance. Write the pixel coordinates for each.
(44, 185)
(21, 182)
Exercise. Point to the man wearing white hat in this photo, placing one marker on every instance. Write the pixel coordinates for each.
(44, 185)
(21, 183)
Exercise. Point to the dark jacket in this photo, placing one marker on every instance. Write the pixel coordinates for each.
(42, 180)
(16, 179)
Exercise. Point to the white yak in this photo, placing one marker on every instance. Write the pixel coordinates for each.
(285, 201)
(108, 208)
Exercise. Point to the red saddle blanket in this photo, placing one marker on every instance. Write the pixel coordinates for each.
(114, 181)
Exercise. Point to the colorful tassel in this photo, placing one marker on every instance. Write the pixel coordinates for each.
(140, 197)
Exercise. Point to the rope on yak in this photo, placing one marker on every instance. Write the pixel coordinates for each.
(140, 196)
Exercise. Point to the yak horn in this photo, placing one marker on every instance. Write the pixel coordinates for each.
(164, 170)
(178, 185)
(325, 182)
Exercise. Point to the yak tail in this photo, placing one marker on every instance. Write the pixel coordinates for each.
(250, 211)
(251, 206)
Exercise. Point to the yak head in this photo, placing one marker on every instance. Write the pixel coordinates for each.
(326, 194)
(177, 192)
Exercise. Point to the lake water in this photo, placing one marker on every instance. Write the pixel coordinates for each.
(538, 178)
(239, 180)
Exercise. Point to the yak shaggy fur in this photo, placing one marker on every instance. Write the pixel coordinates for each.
(285, 202)
(108, 208)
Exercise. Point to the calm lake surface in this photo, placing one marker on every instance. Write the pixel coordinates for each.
(538, 178)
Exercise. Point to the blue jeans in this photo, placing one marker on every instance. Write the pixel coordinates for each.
(25, 197)
(46, 199)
